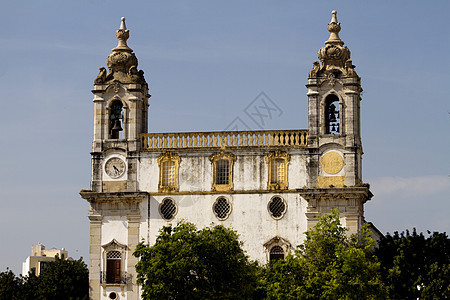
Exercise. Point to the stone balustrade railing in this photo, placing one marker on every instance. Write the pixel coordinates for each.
(224, 139)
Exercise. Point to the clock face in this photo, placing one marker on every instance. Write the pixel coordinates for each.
(115, 167)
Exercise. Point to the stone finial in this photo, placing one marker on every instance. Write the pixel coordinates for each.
(123, 26)
(334, 27)
(122, 35)
(334, 54)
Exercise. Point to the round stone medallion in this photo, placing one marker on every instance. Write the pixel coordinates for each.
(332, 162)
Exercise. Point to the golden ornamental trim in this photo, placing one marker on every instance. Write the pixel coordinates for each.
(168, 157)
(214, 158)
(272, 183)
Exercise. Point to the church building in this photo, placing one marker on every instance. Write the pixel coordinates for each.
(270, 185)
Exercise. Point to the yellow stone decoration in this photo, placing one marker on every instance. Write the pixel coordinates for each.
(331, 181)
(332, 163)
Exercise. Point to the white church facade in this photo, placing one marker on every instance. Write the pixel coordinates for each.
(270, 186)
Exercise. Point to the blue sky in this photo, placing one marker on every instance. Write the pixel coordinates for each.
(205, 61)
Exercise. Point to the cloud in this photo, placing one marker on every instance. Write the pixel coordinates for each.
(410, 186)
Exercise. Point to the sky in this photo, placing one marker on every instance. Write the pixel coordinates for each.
(205, 62)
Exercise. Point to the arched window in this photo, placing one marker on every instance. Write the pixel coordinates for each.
(115, 119)
(276, 253)
(332, 120)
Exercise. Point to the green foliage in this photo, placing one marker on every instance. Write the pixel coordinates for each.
(416, 267)
(186, 263)
(61, 279)
(10, 286)
(64, 279)
(328, 265)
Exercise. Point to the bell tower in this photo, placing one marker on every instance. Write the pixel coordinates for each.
(334, 95)
(334, 139)
(120, 111)
(120, 115)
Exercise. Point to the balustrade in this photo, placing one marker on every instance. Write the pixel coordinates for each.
(224, 139)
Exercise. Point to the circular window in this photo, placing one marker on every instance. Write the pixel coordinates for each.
(168, 209)
(222, 208)
(113, 295)
(277, 207)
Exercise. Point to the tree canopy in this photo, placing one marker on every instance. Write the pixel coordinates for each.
(328, 265)
(416, 267)
(62, 279)
(186, 263)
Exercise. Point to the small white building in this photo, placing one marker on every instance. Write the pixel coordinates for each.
(270, 186)
(39, 258)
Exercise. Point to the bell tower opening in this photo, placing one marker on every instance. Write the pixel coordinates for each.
(332, 119)
(116, 120)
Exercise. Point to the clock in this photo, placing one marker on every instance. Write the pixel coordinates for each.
(115, 167)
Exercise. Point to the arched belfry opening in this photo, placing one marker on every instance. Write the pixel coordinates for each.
(116, 120)
(332, 119)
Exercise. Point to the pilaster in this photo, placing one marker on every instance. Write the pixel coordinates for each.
(95, 256)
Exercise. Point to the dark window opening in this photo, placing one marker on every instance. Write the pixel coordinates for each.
(222, 172)
(276, 253)
(222, 208)
(277, 207)
(116, 120)
(332, 119)
(113, 262)
(168, 209)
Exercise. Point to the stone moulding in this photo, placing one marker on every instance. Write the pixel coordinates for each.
(118, 203)
(348, 200)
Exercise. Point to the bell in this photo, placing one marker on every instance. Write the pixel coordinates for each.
(332, 117)
(333, 129)
(117, 126)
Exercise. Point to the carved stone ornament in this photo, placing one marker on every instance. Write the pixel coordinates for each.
(350, 69)
(101, 78)
(334, 54)
(116, 87)
(315, 70)
(331, 79)
(222, 155)
(122, 62)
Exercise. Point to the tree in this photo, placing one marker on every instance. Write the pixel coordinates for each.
(186, 263)
(10, 286)
(414, 266)
(62, 279)
(328, 265)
